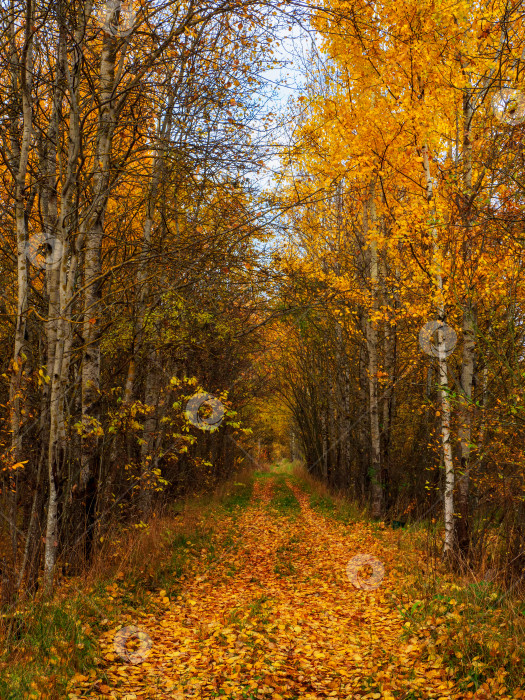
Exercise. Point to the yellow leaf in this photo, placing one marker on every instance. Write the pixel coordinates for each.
(79, 678)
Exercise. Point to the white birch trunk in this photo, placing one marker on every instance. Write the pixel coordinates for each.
(93, 262)
(448, 546)
(21, 67)
(61, 286)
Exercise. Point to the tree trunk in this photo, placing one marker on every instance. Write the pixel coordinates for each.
(148, 447)
(21, 83)
(363, 403)
(389, 354)
(469, 343)
(448, 546)
(369, 221)
(465, 428)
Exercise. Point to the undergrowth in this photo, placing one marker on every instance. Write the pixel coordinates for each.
(45, 643)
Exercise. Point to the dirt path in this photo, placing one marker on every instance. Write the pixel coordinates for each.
(278, 617)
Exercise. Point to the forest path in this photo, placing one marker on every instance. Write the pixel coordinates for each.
(276, 616)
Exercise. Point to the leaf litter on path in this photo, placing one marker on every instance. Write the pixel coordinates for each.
(278, 617)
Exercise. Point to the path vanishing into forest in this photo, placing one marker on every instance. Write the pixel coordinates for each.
(274, 615)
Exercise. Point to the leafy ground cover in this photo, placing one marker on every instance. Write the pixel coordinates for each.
(254, 598)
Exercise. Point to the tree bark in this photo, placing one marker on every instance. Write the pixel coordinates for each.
(369, 222)
(469, 342)
(21, 73)
(448, 546)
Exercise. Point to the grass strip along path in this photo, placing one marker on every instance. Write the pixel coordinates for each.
(274, 615)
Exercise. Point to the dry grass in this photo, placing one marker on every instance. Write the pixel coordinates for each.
(57, 638)
(127, 546)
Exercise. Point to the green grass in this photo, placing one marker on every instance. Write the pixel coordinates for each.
(284, 565)
(283, 501)
(258, 611)
(52, 644)
(283, 467)
(322, 501)
(259, 474)
(332, 507)
(53, 641)
(323, 504)
(475, 628)
(239, 496)
(185, 549)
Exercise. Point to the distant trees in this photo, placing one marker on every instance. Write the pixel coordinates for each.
(407, 129)
(127, 235)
